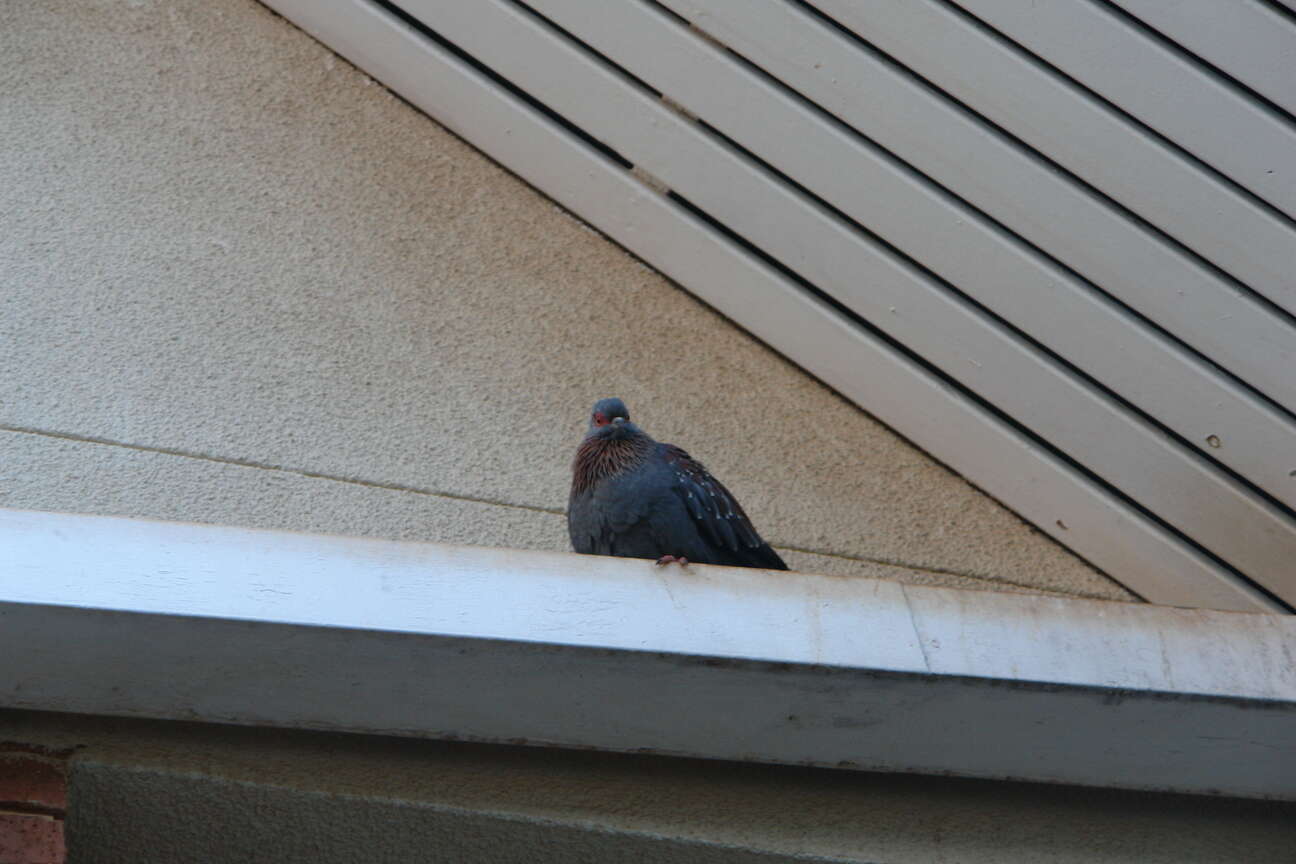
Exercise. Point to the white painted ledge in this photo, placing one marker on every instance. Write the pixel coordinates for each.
(151, 619)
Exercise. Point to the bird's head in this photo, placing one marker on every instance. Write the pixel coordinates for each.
(609, 420)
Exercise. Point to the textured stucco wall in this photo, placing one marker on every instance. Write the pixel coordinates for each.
(145, 792)
(244, 284)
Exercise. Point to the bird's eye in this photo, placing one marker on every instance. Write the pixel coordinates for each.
(600, 419)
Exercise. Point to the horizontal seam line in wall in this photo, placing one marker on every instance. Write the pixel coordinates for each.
(265, 466)
(396, 487)
(920, 568)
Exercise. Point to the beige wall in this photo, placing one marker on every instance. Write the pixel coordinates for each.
(244, 284)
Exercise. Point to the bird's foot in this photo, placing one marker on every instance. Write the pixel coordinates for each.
(671, 559)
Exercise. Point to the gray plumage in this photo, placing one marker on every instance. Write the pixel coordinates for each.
(634, 497)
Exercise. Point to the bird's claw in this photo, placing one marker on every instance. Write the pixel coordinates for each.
(671, 559)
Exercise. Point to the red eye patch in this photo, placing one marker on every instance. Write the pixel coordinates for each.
(600, 419)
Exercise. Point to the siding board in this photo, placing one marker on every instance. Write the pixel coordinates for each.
(1021, 192)
(1099, 147)
(1244, 38)
(1205, 115)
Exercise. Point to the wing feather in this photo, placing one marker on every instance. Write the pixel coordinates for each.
(720, 518)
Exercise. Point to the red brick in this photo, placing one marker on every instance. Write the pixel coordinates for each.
(32, 780)
(31, 839)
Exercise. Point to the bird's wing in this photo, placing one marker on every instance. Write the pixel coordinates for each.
(721, 520)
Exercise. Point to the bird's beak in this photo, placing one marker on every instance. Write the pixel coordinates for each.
(617, 421)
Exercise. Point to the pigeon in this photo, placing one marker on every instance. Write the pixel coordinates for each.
(634, 497)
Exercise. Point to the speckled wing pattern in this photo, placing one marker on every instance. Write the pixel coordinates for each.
(720, 519)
